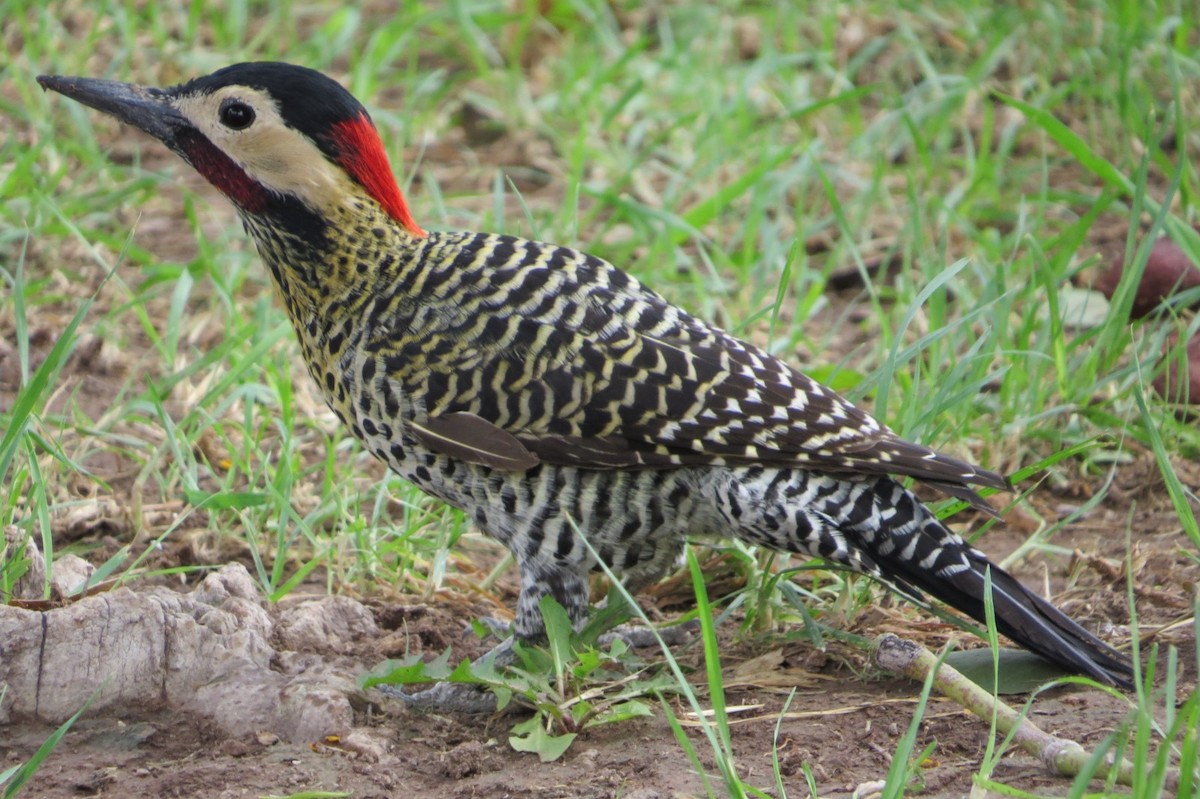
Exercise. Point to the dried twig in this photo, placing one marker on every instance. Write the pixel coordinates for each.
(1060, 755)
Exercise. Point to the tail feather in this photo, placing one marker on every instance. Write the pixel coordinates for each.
(941, 564)
(1029, 620)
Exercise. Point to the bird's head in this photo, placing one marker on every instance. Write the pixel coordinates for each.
(265, 134)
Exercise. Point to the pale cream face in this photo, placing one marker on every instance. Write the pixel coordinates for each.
(277, 156)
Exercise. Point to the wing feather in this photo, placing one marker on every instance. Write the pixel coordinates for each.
(474, 440)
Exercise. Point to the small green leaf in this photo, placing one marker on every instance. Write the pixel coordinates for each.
(461, 673)
(622, 712)
(558, 631)
(587, 662)
(408, 671)
(531, 736)
(484, 672)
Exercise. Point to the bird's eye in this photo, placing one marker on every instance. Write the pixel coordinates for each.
(236, 115)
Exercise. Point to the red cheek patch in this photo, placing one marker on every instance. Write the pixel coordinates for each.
(361, 154)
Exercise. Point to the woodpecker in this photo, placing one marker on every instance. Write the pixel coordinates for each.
(550, 395)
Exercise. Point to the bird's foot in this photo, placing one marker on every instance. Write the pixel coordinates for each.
(499, 628)
(639, 637)
(456, 697)
(446, 697)
(469, 698)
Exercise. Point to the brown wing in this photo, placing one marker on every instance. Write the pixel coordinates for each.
(468, 437)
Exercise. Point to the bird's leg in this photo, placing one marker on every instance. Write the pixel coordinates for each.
(565, 581)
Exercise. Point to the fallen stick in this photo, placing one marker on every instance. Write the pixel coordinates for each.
(1062, 756)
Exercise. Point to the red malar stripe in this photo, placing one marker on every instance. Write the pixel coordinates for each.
(361, 154)
(221, 171)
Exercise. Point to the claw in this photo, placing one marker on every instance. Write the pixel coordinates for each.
(498, 627)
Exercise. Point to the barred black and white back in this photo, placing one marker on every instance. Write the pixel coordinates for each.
(584, 366)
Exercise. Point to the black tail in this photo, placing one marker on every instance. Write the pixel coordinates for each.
(941, 564)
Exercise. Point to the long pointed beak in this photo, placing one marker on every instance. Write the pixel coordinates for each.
(141, 106)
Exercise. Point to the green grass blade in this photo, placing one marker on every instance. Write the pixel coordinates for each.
(18, 778)
(1175, 489)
